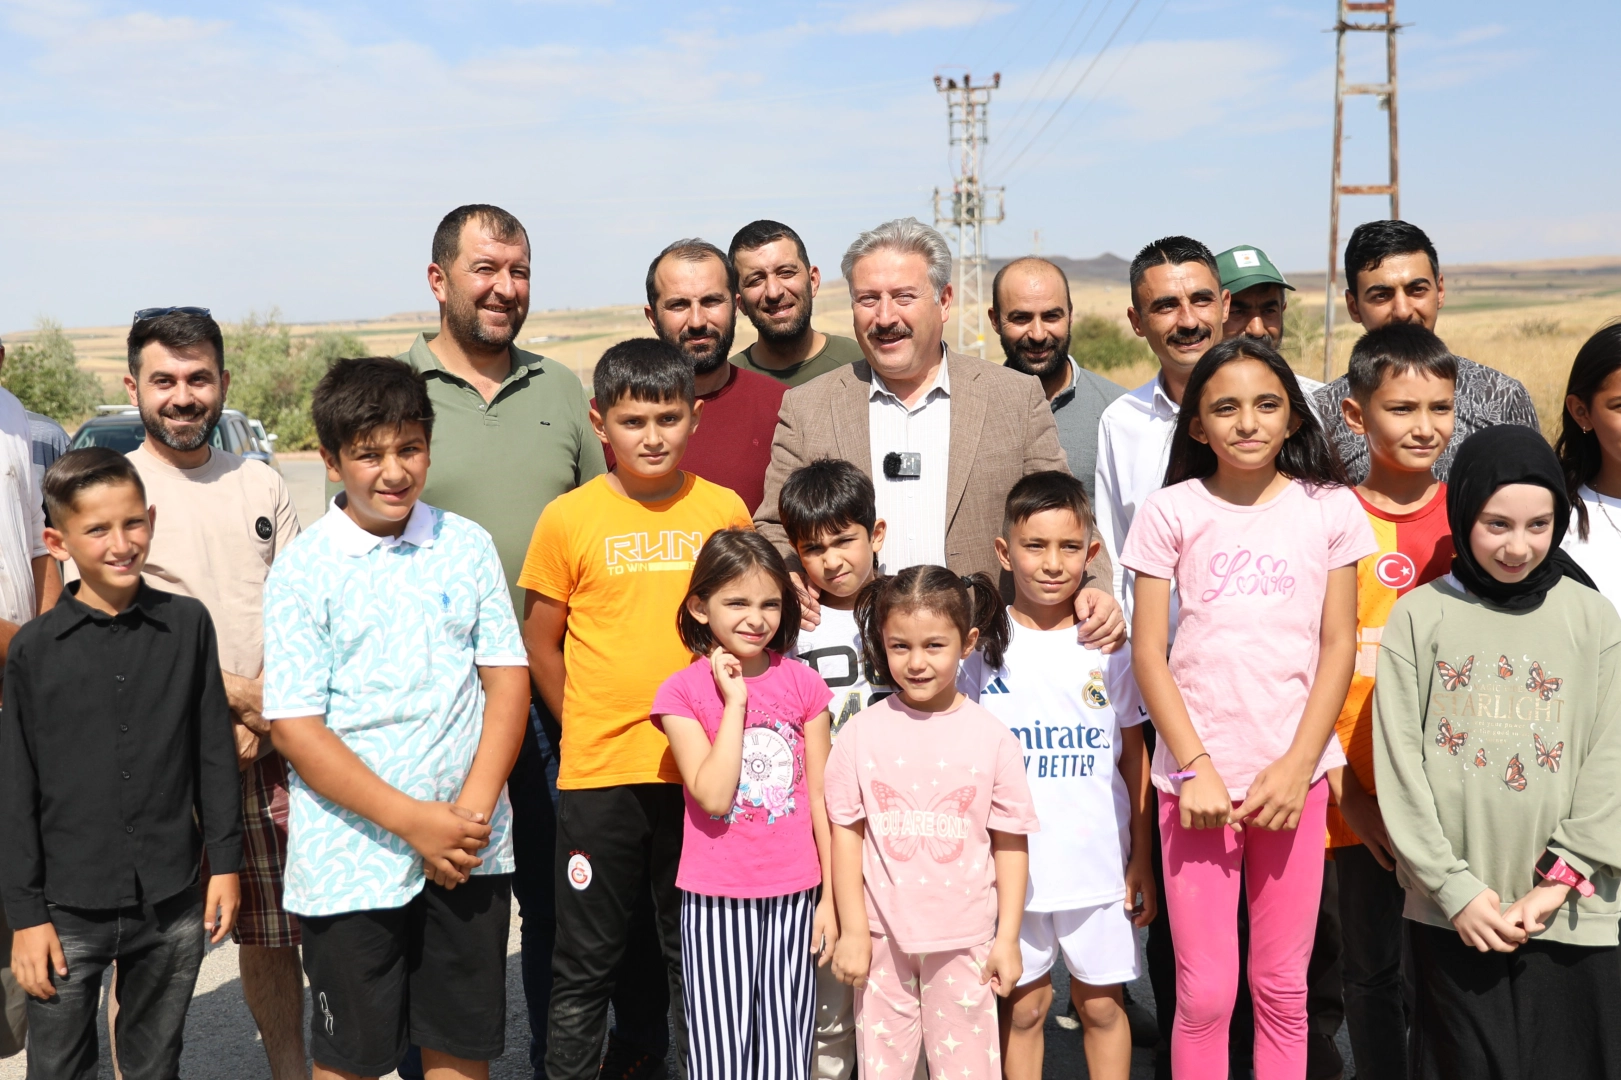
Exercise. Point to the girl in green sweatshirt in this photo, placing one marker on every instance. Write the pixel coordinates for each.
(1498, 763)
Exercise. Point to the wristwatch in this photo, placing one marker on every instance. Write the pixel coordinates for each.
(1553, 868)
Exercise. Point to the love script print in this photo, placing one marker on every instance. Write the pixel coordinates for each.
(1244, 573)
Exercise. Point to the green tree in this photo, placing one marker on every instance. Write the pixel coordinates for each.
(45, 375)
(273, 374)
(1101, 344)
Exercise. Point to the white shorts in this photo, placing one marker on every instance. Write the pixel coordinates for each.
(1099, 944)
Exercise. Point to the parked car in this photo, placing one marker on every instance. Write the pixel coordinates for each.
(119, 427)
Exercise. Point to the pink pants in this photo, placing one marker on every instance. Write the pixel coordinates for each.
(1283, 875)
(929, 1003)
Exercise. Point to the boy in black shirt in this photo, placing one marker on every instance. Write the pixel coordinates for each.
(117, 768)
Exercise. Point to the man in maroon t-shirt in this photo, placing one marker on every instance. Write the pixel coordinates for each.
(690, 290)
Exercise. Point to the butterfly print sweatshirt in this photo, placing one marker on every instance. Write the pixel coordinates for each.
(928, 789)
(1496, 738)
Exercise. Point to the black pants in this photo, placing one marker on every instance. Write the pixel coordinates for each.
(1372, 929)
(1544, 1010)
(159, 948)
(614, 845)
(534, 839)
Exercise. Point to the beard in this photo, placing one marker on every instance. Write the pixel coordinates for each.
(707, 352)
(156, 423)
(462, 321)
(783, 336)
(1019, 360)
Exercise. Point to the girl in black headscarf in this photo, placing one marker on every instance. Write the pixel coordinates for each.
(1497, 755)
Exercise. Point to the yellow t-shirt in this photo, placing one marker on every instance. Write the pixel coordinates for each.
(623, 568)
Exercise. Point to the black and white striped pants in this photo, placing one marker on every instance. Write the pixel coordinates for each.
(750, 986)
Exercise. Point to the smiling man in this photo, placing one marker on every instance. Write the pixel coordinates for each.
(776, 288)
(1259, 295)
(1031, 312)
(1393, 275)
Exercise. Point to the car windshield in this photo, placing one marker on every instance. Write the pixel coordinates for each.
(123, 435)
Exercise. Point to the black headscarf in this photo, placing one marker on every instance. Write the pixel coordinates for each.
(1489, 459)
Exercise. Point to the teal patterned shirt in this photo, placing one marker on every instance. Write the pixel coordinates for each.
(384, 637)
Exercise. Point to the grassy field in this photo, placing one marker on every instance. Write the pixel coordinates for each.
(1527, 319)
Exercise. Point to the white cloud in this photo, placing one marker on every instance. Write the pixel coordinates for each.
(913, 15)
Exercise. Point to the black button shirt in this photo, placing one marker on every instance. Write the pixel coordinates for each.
(117, 764)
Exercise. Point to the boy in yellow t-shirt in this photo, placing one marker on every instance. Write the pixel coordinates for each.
(606, 572)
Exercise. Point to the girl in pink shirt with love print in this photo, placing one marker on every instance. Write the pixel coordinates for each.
(927, 795)
(1259, 534)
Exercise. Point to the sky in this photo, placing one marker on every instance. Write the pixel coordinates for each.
(250, 156)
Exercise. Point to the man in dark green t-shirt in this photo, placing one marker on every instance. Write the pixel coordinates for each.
(776, 286)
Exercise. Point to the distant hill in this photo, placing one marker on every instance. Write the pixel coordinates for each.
(1106, 267)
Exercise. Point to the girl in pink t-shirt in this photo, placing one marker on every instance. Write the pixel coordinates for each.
(1259, 535)
(930, 808)
(750, 732)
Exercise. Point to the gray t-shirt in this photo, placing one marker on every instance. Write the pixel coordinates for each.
(1484, 398)
(1077, 410)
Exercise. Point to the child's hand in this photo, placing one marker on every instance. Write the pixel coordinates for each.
(446, 836)
(824, 930)
(1483, 926)
(224, 898)
(728, 671)
(1533, 910)
(852, 956)
(1140, 882)
(35, 953)
(1277, 795)
(1361, 811)
(1003, 966)
(1203, 800)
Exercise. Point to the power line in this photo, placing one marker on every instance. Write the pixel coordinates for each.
(1035, 86)
(1072, 90)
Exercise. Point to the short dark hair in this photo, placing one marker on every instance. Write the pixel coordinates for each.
(447, 238)
(1026, 260)
(826, 496)
(645, 369)
(79, 469)
(1373, 242)
(361, 394)
(175, 330)
(757, 234)
(1042, 491)
(1396, 349)
(726, 556)
(1172, 251)
(689, 250)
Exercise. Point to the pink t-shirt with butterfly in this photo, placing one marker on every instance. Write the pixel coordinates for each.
(930, 787)
(1251, 582)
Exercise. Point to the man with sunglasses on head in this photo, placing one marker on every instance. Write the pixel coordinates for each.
(221, 521)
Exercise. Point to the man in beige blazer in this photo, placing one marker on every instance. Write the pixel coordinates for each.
(943, 436)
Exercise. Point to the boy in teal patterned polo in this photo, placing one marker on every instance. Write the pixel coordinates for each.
(399, 690)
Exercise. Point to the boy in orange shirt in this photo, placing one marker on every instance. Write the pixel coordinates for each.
(606, 572)
(1402, 380)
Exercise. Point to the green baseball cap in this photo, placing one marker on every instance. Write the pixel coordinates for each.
(1243, 266)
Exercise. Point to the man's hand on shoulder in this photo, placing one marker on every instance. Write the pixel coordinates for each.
(810, 606)
(1100, 623)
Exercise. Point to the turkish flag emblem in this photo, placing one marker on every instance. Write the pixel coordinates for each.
(1395, 570)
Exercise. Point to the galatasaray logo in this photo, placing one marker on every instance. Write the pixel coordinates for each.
(1395, 570)
(579, 871)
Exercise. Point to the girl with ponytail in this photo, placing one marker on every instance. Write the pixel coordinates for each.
(927, 797)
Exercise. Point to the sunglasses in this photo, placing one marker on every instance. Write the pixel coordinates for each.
(156, 312)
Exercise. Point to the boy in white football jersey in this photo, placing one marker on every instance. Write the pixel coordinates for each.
(1075, 711)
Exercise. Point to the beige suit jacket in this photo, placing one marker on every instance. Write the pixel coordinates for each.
(1001, 429)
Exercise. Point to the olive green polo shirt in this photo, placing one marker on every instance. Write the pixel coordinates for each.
(501, 462)
(834, 354)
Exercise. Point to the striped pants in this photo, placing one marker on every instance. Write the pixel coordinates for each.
(750, 986)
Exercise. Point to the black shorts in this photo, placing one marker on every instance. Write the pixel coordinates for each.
(432, 973)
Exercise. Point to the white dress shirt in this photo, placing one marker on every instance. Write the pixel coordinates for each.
(913, 508)
(22, 513)
(1134, 447)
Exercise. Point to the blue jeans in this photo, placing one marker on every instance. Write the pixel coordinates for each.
(159, 948)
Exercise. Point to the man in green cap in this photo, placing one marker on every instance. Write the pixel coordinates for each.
(1258, 295)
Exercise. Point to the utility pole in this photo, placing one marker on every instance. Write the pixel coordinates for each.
(969, 209)
(1386, 93)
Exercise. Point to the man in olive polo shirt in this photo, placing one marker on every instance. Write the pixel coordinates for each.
(510, 434)
(776, 289)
